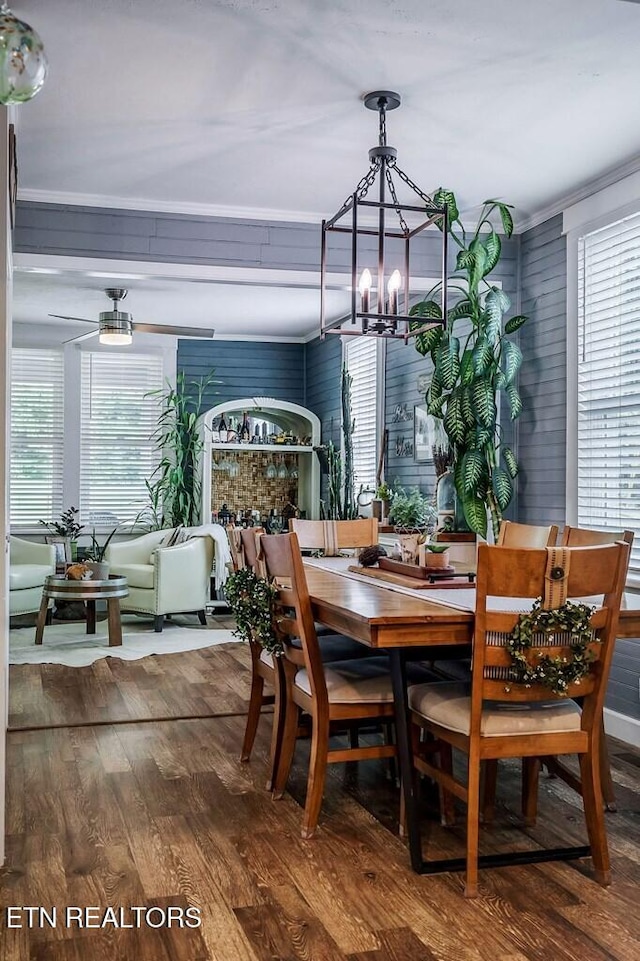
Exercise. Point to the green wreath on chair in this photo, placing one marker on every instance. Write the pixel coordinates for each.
(556, 673)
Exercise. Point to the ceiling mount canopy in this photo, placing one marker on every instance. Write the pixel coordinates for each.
(389, 238)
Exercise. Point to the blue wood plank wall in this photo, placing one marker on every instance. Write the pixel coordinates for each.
(323, 370)
(543, 422)
(246, 369)
(167, 238)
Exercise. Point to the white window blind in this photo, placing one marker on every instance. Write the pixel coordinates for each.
(609, 379)
(117, 420)
(37, 435)
(362, 364)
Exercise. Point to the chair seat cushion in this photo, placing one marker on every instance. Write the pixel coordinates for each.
(24, 576)
(354, 681)
(137, 575)
(449, 705)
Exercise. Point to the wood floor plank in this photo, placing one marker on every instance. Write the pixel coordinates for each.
(397, 944)
(283, 927)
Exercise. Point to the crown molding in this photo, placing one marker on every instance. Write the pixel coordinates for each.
(606, 179)
(65, 199)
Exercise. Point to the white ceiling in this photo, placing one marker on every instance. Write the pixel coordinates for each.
(256, 104)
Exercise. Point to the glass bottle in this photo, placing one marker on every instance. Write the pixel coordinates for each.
(446, 501)
(245, 430)
(223, 430)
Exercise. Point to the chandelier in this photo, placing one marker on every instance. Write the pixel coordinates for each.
(385, 235)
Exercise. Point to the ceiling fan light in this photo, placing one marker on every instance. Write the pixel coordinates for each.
(115, 338)
(115, 328)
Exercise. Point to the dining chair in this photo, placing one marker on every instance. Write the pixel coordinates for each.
(333, 536)
(512, 534)
(263, 666)
(502, 717)
(267, 668)
(333, 695)
(582, 537)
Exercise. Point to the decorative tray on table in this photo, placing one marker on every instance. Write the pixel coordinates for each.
(415, 576)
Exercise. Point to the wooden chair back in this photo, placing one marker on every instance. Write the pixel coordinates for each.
(586, 537)
(527, 535)
(236, 548)
(503, 572)
(249, 538)
(293, 617)
(310, 534)
(333, 536)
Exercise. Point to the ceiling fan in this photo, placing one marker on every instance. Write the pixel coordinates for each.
(115, 326)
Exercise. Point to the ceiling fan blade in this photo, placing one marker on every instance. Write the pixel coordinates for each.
(85, 320)
(76, 340)
(176, 331)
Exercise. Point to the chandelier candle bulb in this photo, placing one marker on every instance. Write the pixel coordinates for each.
(365, 290)
(395, 282)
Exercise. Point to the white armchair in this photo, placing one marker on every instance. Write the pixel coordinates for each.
(163, 580)
(29, 564)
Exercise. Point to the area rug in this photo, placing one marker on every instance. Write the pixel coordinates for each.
(69, 644)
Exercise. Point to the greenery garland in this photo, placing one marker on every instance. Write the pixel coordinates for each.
(251, 599)
(556, 673)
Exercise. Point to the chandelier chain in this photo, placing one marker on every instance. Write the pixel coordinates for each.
(404, 227)
(362, 189)
(409, 182)
(382, 130)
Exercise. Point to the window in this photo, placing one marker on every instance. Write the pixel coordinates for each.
(362, 358)
(80, 433)
(117, 419)
(37, 435)
(608, 414)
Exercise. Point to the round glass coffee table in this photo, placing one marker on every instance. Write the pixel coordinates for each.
(57, 587)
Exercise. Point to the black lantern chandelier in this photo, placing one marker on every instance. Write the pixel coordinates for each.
(384, 229)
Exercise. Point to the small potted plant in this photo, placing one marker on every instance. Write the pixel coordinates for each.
(94, 556)
(434, 556)
(66, 526)
(410, 510)
(380, 504)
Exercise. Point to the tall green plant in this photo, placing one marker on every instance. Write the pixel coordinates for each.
(474, 361)
(175, 487)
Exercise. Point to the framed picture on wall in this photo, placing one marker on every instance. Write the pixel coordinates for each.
(63, 550)
(423, 434)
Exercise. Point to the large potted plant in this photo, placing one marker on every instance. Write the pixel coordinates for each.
(175, 487)
(475, 361)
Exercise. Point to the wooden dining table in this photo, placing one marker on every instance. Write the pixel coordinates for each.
(409, 627)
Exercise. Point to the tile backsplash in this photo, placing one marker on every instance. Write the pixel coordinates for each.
(251, 488)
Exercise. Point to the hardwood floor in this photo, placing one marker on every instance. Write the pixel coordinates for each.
(164, 815)
(202, 683)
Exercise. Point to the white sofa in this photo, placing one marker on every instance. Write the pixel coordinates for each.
(29, 564)
(163, 580)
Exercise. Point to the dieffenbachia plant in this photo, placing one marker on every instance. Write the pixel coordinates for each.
(474, 361)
